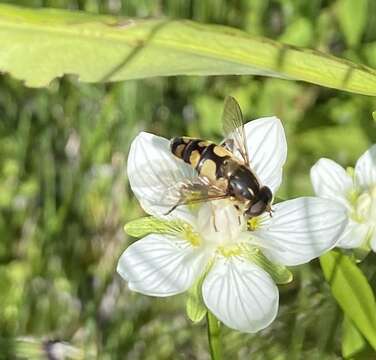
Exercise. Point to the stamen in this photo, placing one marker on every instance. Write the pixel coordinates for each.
(228, 251)
(191, 236)
(253, 223)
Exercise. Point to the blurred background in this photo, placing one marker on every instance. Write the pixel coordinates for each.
(64, 195)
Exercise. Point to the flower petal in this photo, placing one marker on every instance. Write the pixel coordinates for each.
(152, 170)
(353, 236)
(301, 229)
(240, 294)
(330, 180)
(365, 168)
(373, 240)
(267, 147)
(160, 265)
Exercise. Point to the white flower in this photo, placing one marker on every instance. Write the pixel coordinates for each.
(218, 243)
(356, 192)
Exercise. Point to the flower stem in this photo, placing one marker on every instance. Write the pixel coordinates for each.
(214, 329)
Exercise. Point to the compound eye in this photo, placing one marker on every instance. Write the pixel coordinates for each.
(257, 208)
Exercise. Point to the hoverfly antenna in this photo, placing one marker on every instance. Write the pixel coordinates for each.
(270, 210)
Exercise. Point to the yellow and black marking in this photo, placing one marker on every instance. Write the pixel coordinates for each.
(205, 156)
(223, 170)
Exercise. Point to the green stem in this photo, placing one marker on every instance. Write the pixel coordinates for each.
(214, 330)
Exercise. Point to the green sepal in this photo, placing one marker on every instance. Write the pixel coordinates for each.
(195, 307)
(279, 273)
(149, 224)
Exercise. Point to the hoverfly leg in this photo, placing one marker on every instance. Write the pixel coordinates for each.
(171, 210)
(237, 207)
(215, 226)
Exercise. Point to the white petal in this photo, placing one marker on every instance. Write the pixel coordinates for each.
(373, 240)
(365, 168)
(301, 229)
(161, 266)
(330, 180)
(152, 170)
(353, 235)
(267, 147)
(240, 294)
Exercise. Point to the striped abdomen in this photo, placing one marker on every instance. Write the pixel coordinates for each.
(205, 156)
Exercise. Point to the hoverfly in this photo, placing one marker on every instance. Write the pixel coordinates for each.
(221, 174)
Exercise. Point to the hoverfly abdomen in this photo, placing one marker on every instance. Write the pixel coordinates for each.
(187, 149)
(204, 156)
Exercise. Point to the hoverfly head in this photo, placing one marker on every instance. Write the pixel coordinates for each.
(261, 203)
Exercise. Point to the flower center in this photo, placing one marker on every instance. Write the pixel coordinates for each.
(221, 227)
(364, 210)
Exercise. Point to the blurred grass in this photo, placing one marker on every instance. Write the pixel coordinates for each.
(64, 194)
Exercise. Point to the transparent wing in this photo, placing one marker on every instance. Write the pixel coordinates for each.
(191, 191)
(233, 128)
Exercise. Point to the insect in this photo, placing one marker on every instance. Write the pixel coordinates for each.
(221, 174)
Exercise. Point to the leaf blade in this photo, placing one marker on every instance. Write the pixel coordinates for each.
(42, 44)
(352, 292)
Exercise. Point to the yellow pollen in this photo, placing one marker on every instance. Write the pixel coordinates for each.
(253, 223)
(191, 236)
(228, 251)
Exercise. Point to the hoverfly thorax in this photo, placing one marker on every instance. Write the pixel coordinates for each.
(243, 184)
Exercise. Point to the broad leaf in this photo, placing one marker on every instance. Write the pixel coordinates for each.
(38, 45)
(353, 342)
(352, 292)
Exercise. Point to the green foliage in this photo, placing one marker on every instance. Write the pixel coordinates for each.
(352, 291)
(40, 45)
(65, 198)
(353, 342)
(352, 17)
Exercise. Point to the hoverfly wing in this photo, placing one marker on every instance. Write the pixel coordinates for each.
(233, 128)
(193, 191)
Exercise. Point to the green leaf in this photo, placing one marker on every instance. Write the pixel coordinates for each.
(279, 273)
(352, 17)
(352, 340)
(352, 292)
(147, 225)
(38, 45)
(195, 307)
